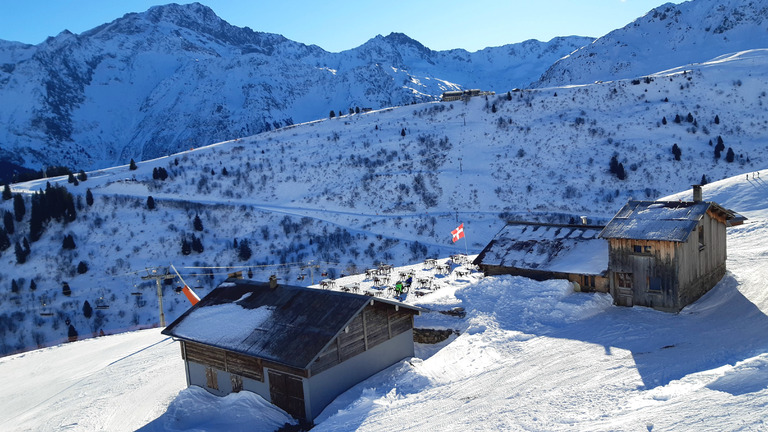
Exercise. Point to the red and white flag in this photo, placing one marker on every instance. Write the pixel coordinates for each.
(458, 233)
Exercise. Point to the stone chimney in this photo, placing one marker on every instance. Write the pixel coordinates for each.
(583, 220)
(272, 282)
(697, 193)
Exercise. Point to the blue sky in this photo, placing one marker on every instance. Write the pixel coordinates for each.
(341, 25)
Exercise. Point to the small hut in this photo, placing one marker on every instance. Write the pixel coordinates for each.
(543, 251)
(666, 255)
(298, 348)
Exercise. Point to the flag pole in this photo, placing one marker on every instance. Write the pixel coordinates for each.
(466, 250)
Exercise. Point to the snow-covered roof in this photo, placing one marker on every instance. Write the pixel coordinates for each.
(657, 220)
(548, 247)
(289, 325)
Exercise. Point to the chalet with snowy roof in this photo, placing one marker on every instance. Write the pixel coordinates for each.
(298, 348)
(666, 255)
(549, 251)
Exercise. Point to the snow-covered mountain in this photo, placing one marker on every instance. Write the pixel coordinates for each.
(666, 37)
(383, 186)
(177, 76)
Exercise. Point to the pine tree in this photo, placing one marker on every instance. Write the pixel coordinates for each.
(717, 119)
(613, 165)
(71, 334)
(89, 197)
(402, 132)
(10, 228)
(155, 175)
(620, 173)
(132, 166)
(19, 209)
(32, 285)
(65, 289)
(150, 203)
(5, 241)
(197, 244)
(703, 179)
(186, 249)
(87, 310)
(676, 151)
(7, 192)
(234, 245)
(197, 223)
(68, 242)
(224, 172)
(82, 176)
(729, 156)
(21, 256)
(689, 118)
(663, 120)
(244, 252)
(719, 147)
(71, 178)
(332, 114)
(677, 118)
(82, 267)
(14, 286)
(509, 96)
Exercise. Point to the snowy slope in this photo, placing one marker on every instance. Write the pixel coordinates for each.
(381, 196)
(666, 37)
(530, 356)
(177, 76)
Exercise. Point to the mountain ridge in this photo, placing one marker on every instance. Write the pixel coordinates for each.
(178, 76)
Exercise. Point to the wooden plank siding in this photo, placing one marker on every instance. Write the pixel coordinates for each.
(702, 266)
(669, 275)
(227, 361)
(375, 325)
(653, 270)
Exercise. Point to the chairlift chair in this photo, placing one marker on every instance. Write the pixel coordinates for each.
(45, 309)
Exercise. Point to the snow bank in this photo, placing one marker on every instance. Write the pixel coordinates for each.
(194, 409)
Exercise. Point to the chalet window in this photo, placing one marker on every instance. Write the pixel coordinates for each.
(211, 378)
(588, 281)
(654, 284)
(624, 280)
(701, 237)
(638, 249)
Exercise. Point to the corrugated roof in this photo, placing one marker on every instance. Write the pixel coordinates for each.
(547, 247)
(289, 325)
(656, 220)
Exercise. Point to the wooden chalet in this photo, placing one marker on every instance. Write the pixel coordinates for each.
(666, 255)
(549, 251)
(298, 348)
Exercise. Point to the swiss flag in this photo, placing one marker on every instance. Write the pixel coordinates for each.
(458, 233)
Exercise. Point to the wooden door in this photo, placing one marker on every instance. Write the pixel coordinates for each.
(624, 289)
(287, 392)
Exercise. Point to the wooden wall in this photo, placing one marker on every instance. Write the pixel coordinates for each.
(654, 271)
(375, 325)
(701, 268)
(227, 361)
(671, 275)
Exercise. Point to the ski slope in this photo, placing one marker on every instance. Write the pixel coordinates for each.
(532, 356)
